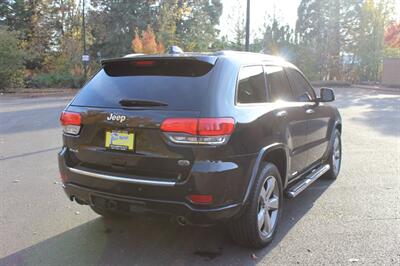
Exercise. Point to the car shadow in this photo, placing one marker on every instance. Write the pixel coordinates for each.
(155, 240)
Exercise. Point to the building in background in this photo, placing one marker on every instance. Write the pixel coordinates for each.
(391, 72)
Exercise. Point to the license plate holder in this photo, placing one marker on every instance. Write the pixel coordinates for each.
(122, 140)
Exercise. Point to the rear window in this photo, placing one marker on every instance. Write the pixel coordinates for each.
(180, 84)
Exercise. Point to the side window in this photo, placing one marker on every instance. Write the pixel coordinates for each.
(302, 90)
(278, 84)
(251, 87)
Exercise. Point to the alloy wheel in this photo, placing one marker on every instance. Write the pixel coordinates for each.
(268, 206)
(336, 155)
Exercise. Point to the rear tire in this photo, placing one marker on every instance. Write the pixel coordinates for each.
(257, 226)
(334, 157)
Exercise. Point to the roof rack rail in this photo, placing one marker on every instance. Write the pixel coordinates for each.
(174, 50)
(132, 55)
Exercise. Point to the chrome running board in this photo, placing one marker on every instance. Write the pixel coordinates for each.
(301, 185)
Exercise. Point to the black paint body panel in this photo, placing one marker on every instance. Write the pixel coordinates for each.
(226, 172)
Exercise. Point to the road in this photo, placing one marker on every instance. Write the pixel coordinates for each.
(354, 220)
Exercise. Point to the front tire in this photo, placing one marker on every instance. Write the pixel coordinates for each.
(257, 226)
(335, 156)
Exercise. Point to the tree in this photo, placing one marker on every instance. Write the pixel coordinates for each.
(392, 40)
(238, 31)
(328, 35)
(311, 31)
(370, 46)
(28, 18)
(196, 26)
(137, 45)
(169, 12)
(111, 24)
(11, 68)
(278, 39)
(392, 35)
(147, 43)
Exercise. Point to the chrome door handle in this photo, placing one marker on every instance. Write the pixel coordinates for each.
(281, 113)
(310, 111)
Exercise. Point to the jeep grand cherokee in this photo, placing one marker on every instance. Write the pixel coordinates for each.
(201, 137)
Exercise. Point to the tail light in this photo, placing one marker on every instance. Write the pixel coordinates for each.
(71, 122)
(211, 131)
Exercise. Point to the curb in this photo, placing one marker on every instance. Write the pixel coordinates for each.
(376, 88)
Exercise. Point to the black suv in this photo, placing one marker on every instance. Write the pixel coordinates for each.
(201, 137)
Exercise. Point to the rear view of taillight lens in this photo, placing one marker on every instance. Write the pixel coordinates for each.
(71, 122)
(211, 131)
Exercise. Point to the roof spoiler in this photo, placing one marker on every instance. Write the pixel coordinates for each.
(207, 59)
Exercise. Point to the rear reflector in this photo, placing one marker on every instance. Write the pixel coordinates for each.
(198, 130)
(71, 122)
(200, 199)
(63, 177)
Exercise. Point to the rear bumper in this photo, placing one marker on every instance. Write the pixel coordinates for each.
(225, 180)
(139, 205)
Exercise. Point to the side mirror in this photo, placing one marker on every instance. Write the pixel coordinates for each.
(326, 95)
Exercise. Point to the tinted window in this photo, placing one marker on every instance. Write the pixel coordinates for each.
(278, 84)
(302, 90)
(181, 90)
(251, 88)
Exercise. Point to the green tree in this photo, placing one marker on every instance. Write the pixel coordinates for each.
(311, 31)
(327, 32)
(278, 39)
(28, 18)
(11, 68)
(196, 27)
(190, 24)
(111, 24)
(375, 16)
(169, 12)
(238, 31)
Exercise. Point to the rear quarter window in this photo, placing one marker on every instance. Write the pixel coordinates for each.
(181, 84)
(251, 85)
(278, 84)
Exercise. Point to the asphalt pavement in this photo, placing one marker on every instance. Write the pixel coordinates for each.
(353, 220)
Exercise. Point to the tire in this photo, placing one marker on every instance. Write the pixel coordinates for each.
(245, 230)
(335, 156)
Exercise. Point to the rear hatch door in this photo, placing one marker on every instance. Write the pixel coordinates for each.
(122, 109)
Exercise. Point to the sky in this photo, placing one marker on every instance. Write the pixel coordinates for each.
(285, 11)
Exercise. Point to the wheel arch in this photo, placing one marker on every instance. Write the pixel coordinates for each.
(337, 125)
(277, 154)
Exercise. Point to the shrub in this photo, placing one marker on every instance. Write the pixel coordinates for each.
(11, 59)
(55, 80)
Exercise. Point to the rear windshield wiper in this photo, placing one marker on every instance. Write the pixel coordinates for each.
(140, 103)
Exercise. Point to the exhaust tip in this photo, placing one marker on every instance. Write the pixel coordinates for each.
(182, 221)
(80, 201)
